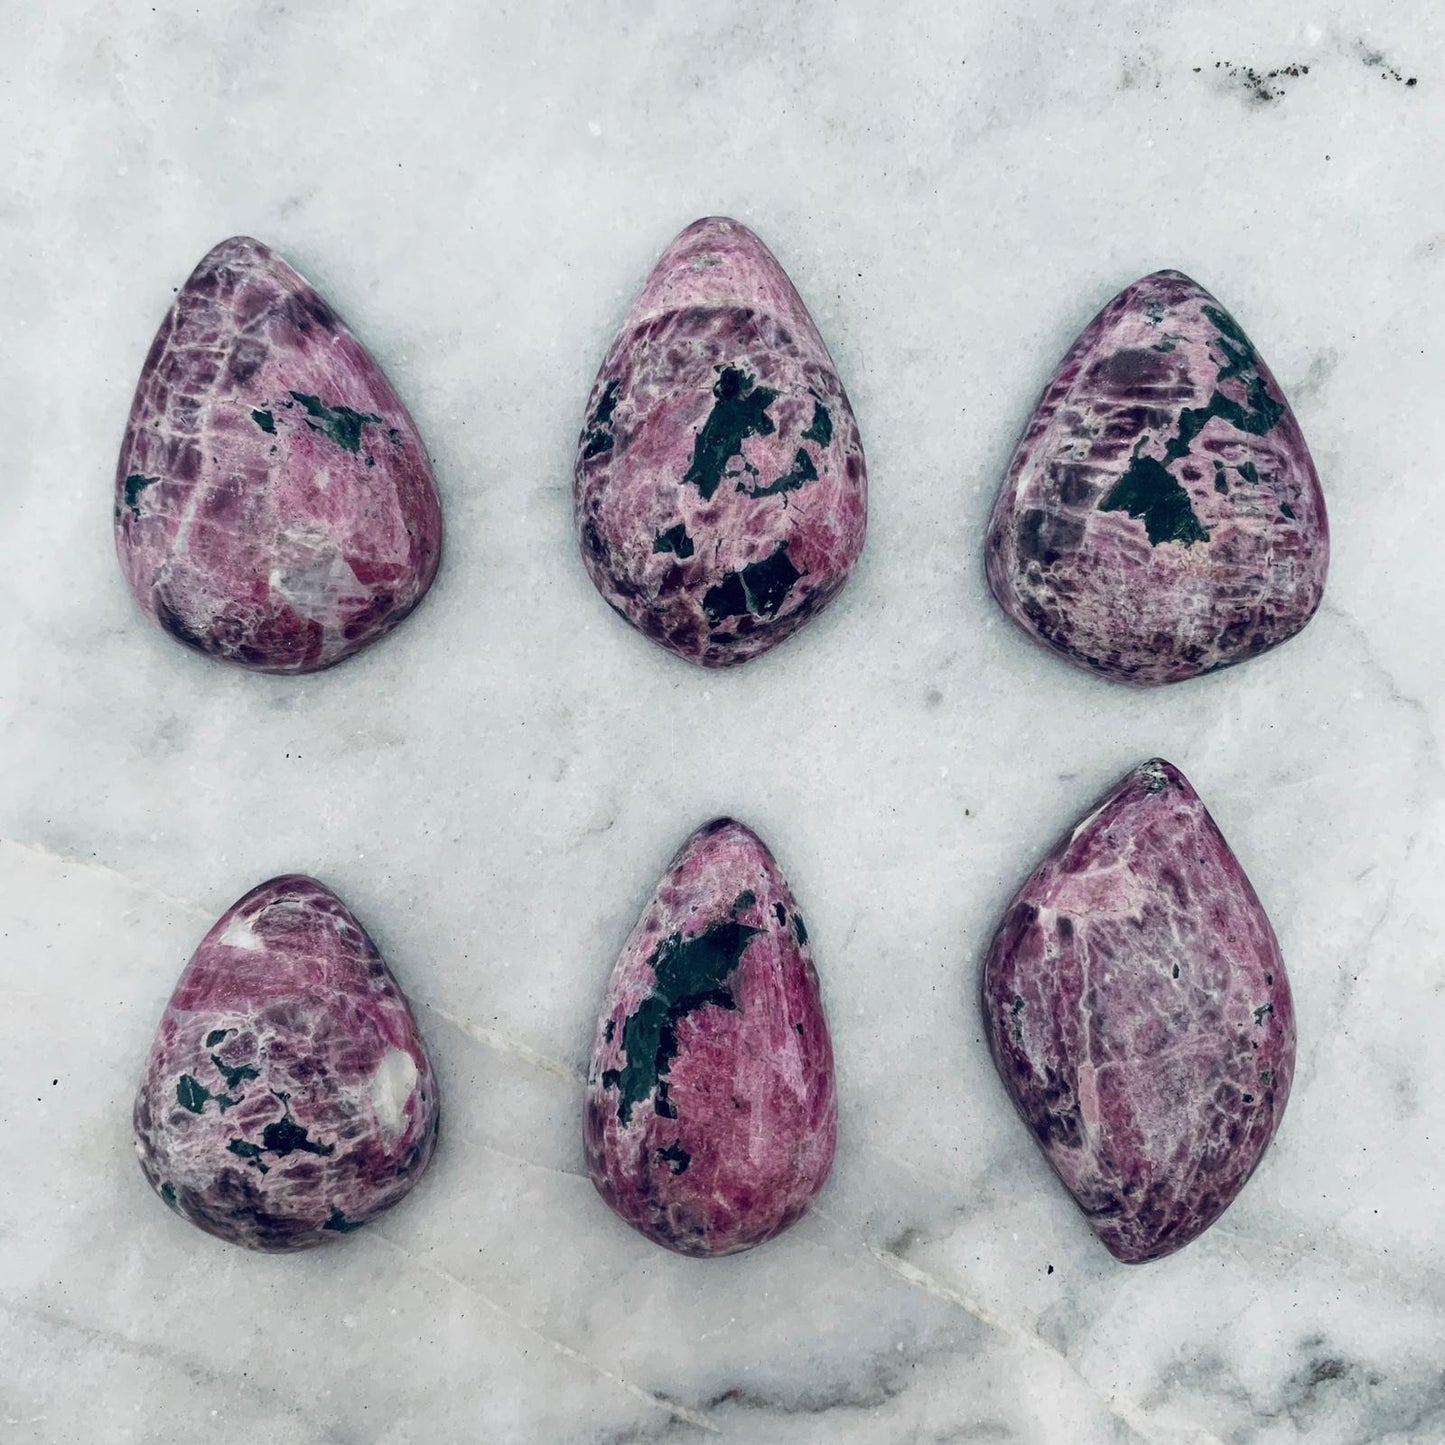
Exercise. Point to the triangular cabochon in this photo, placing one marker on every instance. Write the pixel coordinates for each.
(711, 1113)
(288, 1097)
(274, 504)
(720, 489)
(1161, 516)
(1138, 1010)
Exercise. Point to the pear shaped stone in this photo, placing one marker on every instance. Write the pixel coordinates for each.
(1161, 516)
(711, 1113)
(274, 505)
(1138, 1011)
(720, 489)
(288, 1097)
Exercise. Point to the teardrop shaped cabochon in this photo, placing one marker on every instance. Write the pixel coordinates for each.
(288, 1097)
(711, 1112)
(1161, 516)
(720, 489)
(274, 504)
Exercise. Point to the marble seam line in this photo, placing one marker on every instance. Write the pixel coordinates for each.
(920, 1279)
(1392, 687)
(196, 1372)
(657, 1402)
(39, 850)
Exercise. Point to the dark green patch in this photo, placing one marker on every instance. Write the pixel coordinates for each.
(1249, 472)
(607, 405)
(820, 429)
(235, 1077)
(168, 1193)
(599, 439)
(340, 1223)
(215, 1036)
(782, 914)
(265, 421)
(242, 1150)
(1287, 510)
(1149, 494)
(759, 589)
(191, 1094)
(1260, 412)
(1221, 484)
(1017, 1012)
(802, 473)
(746, 899)
(286, 1136)
(675, 1156)
(799, 930)
(674, 540)
(134, 486)
(688, 976)
(740, 410)
(1262, 1013)
(340, 423)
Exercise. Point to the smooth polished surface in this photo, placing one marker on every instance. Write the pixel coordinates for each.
(288, 1098)
(720, 491)
(1140, 1015)
(1161, 517)
(711, 1112)
(274, 506)
(495, 789)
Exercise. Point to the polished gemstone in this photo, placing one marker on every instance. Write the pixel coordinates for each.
(711, 1113)
(1161, 517)
(288, 1097)
(274, 505)
(1138, 1010)
(720, 489)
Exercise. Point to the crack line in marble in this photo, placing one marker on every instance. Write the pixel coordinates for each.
(39, 850)
(658, 1402)
(502, 1044)
(931, 1285)
(195, 1371)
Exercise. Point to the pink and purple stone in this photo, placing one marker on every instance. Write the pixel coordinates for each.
(288, 1097)
(274, 504)
(711, 1113)
(1138, 1011)
(1161, 516)
(720, 490)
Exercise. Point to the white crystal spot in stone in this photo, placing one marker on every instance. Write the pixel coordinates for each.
(391, 1087)
(239, 934)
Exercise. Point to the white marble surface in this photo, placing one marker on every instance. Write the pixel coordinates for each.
(479, 189)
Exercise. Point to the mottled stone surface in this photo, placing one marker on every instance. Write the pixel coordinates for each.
(720, 489)
(1161, 516)
(274, 505)
(1138, 1010)
(288, 1097)
(711, 1115)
